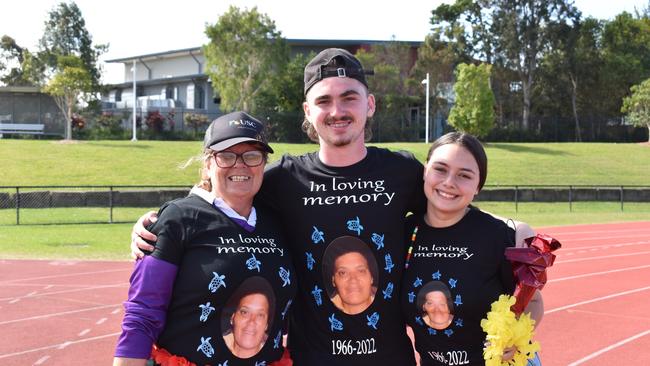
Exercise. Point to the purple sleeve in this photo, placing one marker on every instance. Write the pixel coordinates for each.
(145, 310)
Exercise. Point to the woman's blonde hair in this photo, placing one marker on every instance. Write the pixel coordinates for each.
(204, 177)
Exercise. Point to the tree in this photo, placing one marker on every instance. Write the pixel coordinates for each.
(506, 33)
(439, 59)
(11, 57)
(473, 111)
(391, 63)
(571, 67)
(65, 34)
(626, 54)
(245, 49)
(68, 86)
(281, 101)
(637, 105)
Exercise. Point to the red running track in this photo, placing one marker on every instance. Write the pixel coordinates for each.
(597, 299)
(597, 303)
(60, 312)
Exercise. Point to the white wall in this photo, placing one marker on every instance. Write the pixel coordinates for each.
(166, 67)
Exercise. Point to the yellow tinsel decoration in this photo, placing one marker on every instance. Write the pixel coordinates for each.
(505, 330)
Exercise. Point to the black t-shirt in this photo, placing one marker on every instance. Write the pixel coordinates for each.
(329, 212)
(453, 276)
(224, 275)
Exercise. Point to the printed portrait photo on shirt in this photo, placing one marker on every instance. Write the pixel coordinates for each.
(350, 274)
(247, 317)
(435, 303)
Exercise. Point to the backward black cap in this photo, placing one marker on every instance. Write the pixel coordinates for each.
(333, 62)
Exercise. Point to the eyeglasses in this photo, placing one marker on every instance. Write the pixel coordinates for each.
(228, 159)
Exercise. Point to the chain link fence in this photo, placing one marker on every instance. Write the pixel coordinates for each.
(82, 204)
(42, 205)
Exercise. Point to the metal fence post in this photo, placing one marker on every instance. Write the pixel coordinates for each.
(622, 199)
(516, 199)
(110, 204)
(570, 199)
(17, 206)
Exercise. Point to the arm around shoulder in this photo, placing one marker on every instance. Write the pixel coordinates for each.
(522, 231)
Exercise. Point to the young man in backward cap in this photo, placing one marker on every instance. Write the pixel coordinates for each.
(345, 188)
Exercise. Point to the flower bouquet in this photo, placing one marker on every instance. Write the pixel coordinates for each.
(506, 325)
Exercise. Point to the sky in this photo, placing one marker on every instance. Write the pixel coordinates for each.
(138, 27)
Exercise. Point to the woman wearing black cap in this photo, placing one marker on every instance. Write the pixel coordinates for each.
(208, 245)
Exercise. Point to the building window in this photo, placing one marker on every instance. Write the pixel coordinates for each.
(199, 97)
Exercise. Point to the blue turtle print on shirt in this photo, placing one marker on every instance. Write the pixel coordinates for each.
(449, 332)
(378, 240)
(389, 263)
(355, 225)
(206, 347)
(277, 339)
(458, 300)
(285, 275)
(206, 309)
(310, 261)
(418, 319)
(411, 296)
(317, 295)
(373, 319)
(388, 292)
(217, 282)
(252, 263)
(286, 308)
(335, 324)
(317, 236)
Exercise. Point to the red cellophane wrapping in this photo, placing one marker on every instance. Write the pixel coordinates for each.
(529, 267)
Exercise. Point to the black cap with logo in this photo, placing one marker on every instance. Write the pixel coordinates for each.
(333, 62)
(234, 128)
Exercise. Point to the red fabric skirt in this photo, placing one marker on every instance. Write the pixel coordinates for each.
(163, 358)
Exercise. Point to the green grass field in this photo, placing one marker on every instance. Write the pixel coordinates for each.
(46, 162)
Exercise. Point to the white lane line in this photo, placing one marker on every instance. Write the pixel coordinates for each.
(608, 314)
(64, 275)
(67, 291)
(65, 344)
(610, 245)
(14, 301)
(48, 287)
(609, 348)
(640, 236)
(116, 311)
(41, 360)
(83, 332)
(594, 258)
(598, 273)
(58, 314)
(643, 230)
(100, 321)
(596, 300)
